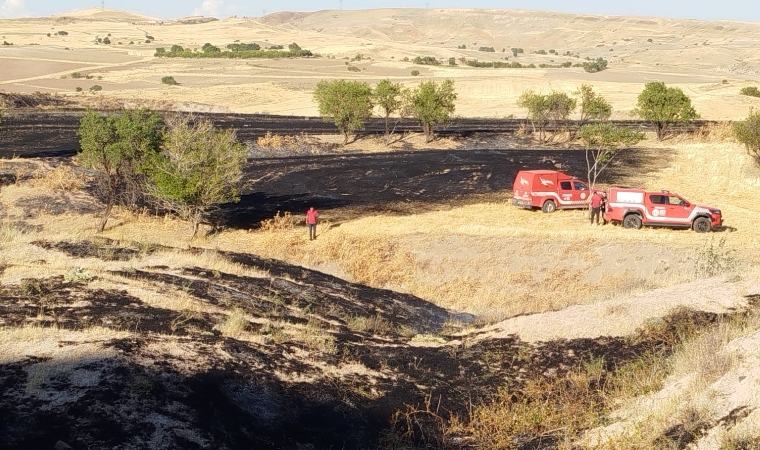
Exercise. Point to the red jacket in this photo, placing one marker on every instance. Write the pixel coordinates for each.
(596, 200)
(311, 216)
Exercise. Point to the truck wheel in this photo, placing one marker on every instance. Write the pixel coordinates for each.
(632, 221)
(702, 225)
(549, 206)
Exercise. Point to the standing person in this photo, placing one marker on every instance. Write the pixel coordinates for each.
(311, 220)
(596, 206)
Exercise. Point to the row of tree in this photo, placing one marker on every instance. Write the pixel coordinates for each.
(178, 164)
(349, 104)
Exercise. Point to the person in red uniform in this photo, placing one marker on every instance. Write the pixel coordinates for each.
(311, 220)
(596, 206)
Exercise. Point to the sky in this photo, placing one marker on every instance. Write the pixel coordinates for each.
(744, 10)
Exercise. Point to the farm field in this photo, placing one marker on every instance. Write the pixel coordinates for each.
(429, 312)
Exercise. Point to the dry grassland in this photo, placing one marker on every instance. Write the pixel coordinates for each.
(487, 258)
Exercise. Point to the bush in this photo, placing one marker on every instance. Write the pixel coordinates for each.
(752, 91)
(748, 133)
(486, 49)
(462, 47)
(415, 73)
(79, 89)
(540, 52)
(62, 33)
(595, 66)
(353, 69)
(427, 60)
(96, 88)
(48, 35)
(169, 80)
(106, 41)
(452, 61)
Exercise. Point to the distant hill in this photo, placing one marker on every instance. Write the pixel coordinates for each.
(110, 15)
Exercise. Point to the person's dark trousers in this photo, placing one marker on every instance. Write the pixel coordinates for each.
(595, 213)
(312, 231)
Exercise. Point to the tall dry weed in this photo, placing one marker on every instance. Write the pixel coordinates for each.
(62, 177)
(372, 260)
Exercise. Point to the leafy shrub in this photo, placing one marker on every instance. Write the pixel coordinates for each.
(48, 34)
(752, 91)
(452, 61)
(62, 33)
(462, 47)
(486, 49)
(169, 80)
(79, 89)
(106, 41)
(353, 69)
(540, 52)
(96, 88)
(7, 43)
(427, 60)
(595, 66)
(235, 47)
(415, 73)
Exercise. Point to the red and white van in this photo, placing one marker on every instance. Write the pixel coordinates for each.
(549, 190)
(636, 207)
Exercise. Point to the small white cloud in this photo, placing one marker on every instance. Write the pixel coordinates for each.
(12, 8)
(208, 8)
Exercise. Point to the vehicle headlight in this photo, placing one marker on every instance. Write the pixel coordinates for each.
(715, 211)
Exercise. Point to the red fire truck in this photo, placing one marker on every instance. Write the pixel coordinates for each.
(636, 207)
(549, 190)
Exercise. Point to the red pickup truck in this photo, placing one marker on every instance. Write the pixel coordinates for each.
(636, 207)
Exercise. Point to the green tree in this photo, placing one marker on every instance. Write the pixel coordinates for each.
(593, 106)
(604, 141)
(663, 106)
(432, 104)
(198, 169)
(561, 106)
(389, 97)
(116, 147)
(545, 109)
(748, 133)
(345, 103)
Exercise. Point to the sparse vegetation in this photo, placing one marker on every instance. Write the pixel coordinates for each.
(96, 88)
(234, 51)
(415, 73)
(486, 49)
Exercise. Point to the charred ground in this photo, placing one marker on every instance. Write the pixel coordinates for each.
(274, 392)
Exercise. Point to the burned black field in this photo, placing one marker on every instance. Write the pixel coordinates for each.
(318, 362)
(273, 392)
